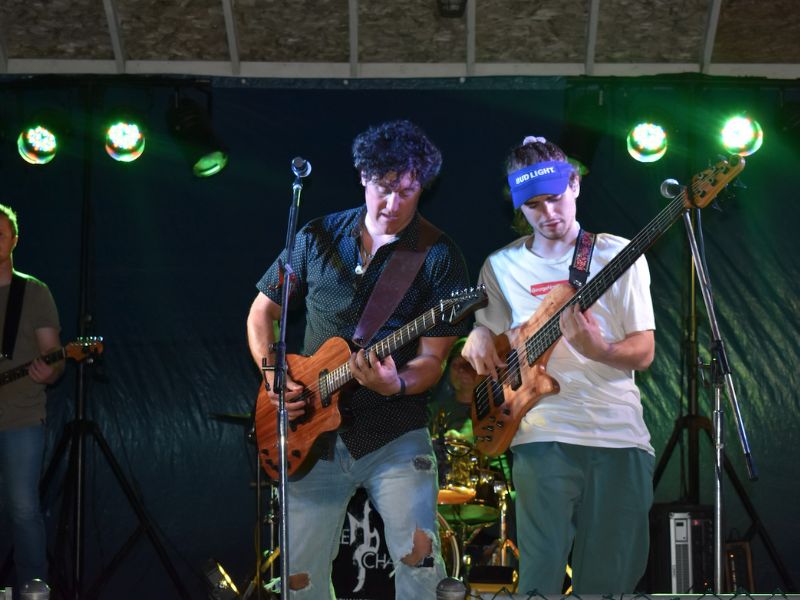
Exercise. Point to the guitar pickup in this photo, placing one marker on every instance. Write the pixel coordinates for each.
(324, 389)
(513, 374)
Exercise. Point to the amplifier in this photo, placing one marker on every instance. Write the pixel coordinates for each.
(681, 558)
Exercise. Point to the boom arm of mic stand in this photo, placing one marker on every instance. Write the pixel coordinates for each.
(719, 363)
(719, 358)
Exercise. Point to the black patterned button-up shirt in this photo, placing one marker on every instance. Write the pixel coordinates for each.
(333, 294)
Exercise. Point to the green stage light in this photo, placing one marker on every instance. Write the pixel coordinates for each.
(647, 142)
(124, 141)
(742, 135)
(37, 145)
(190, 123)
(210, 164)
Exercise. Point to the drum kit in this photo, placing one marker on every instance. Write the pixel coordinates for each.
(474, 495)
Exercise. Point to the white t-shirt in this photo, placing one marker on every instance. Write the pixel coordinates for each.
(598, 405)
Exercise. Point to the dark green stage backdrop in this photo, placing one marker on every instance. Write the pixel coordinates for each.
(173, 261)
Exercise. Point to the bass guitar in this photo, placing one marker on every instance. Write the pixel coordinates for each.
(78, 350)
(324, 374)
(499, 406)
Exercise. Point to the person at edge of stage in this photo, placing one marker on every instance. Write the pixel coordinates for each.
(387, 449)
(23, 407)
(582, 458)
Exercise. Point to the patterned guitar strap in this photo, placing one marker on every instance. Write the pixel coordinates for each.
(581, 259)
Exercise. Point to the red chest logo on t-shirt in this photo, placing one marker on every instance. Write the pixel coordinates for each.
(542, 289)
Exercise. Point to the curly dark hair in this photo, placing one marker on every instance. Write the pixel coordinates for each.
(398, 146)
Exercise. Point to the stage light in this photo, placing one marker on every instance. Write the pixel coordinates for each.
(191, 125)
(222, 586)
(742, 135)
(37, 145)
(647, 142)
(124, 141)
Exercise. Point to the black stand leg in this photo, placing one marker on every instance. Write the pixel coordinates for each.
(75, 434)
(79, 429)
(693, 423)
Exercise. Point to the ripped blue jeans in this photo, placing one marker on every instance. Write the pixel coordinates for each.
(402, 484)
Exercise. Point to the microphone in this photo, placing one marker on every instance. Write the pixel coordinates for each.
(301, 167)
(670, 188)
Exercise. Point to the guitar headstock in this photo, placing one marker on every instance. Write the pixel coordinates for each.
(84, 347)
(707, 184)
(460, 304)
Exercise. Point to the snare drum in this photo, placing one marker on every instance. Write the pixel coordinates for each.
(484, 506)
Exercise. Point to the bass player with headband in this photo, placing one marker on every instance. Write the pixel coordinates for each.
(583, 461)
(339, 260)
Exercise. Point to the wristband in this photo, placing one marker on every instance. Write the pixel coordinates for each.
(401, 392)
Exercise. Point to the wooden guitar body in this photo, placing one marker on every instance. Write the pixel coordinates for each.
(322, 413)
(497, 409)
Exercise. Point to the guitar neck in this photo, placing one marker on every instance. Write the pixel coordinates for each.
(409, 332)
(22, 370)
(537, 344)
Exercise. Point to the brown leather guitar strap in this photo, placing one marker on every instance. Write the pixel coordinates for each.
(397, 275)
(16, 292)
(581, 259)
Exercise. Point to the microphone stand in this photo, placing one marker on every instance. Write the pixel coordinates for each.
(720, 374)
(301, 168)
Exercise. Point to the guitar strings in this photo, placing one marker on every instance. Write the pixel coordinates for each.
(341, 374)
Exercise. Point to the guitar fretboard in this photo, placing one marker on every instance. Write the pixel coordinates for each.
(548, 334)
(22, 370)
(409, 332)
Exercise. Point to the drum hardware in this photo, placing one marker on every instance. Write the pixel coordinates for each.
(457, 463)
(504, 544)
(499, 574)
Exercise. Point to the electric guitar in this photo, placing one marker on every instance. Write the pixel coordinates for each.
(498, 407)
(324, 374)
(77, 350)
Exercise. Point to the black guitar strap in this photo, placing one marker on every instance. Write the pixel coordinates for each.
(13, 312)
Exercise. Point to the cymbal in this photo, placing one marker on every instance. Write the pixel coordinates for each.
(240, 418)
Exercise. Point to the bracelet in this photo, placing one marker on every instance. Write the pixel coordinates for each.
(401, 392)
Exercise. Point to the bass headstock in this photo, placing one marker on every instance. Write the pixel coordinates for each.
(710, 182)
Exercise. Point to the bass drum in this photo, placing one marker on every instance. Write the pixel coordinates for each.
(362, 568)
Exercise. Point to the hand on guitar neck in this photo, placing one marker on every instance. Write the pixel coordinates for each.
(44, 373)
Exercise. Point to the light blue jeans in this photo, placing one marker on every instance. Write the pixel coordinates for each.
(597, 497)
(402, 484)
(21, 452)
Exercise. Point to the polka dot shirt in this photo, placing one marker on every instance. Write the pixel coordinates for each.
(333, 295)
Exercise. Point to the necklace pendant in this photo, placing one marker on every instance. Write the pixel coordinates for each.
(359, 269)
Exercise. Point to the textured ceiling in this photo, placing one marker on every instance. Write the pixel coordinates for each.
(401, 38)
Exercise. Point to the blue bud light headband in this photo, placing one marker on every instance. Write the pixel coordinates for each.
(548, 178)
